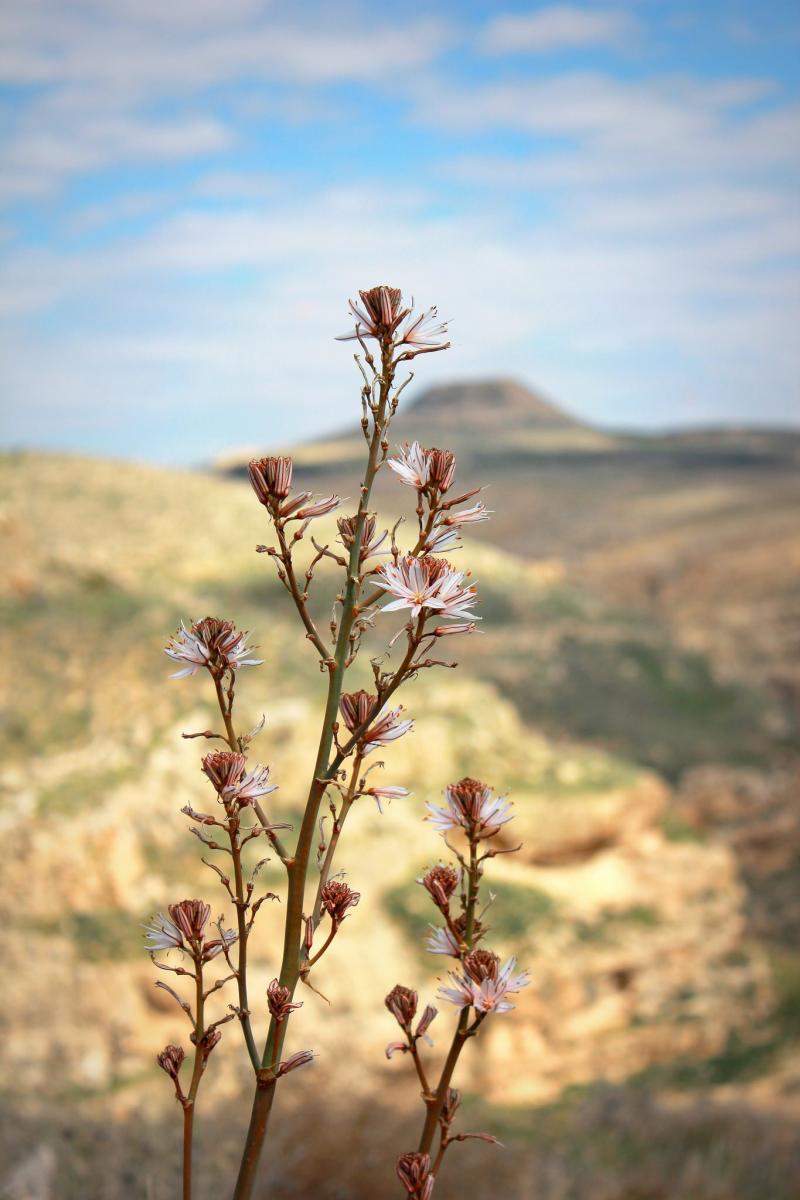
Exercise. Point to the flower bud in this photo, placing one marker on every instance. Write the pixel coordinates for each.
(208, 1042)
(402, 1004)
(296, 1060)
(279, 1001)
(441, 468)
(191, 917)
(481, 965)
(450, 1107)
(336, 898)
(425, 1020)
(413, 1171)
(440, 883)
(171, 1059)
(223, 768)
(271, 478)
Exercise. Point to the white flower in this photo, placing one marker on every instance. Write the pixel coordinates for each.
(424, 329)
(427, 582)
(387, 793)
(441, 538)
(441, 941)
(467, 516)
(162, 934)
(254, 784)
(386, 729)
(412, 466)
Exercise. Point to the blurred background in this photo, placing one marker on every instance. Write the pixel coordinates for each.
(604, 201)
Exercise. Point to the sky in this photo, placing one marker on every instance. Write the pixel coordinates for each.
(603, 200)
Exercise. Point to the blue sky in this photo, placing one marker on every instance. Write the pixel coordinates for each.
(602, 198)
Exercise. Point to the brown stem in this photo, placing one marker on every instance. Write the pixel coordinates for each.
(188, 1130)
(463, 1031)
(299, 597)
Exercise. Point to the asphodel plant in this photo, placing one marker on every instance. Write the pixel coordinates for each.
(410, 599)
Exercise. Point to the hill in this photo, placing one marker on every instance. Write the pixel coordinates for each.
(634, 922)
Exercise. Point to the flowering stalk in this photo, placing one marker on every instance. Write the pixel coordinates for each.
(479, 988)
(436, 601)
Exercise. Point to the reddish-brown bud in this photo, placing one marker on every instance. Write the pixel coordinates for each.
(402, 1004)
(413, 1171)
(208, 1042)
(171, 1059)
(224, 768)
(356, 708)
(440, 883)
(296, 1060)
(271, 478)
(450, 1107)
(441, 468)
(279, 1001)
(481, 965)
(191, 917)
(336, 898)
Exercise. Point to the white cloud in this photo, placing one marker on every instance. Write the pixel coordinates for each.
(558, 27)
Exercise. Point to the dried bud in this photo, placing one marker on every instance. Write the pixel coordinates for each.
(481, 964)
(441, 468)
(395, 1047)
(296, 1060)
(402, 1004)
(450, 1107)
(413, 1171)
(336, 898)
(208, 1042)
(271, 478)
(224, 769)
(279, 1001)
(440, 883)
(191, 917)
(171, 1059)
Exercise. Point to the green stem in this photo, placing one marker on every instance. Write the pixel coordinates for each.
(297, 868)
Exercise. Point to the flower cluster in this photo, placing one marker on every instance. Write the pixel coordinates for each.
(211, 643)
(184, 929)
(233, 783)
(429, 582)
(380, 315)
(472, 807)
(271, 480)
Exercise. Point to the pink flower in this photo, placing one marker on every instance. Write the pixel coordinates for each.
(385, 730)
